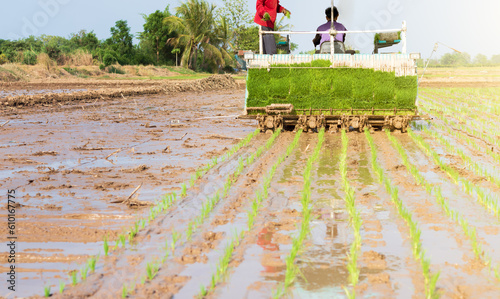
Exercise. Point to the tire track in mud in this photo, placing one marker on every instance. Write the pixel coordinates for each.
(258, 263)
(231, 216)
(441, 238)
(121, 267)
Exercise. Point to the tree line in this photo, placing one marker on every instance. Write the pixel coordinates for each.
(198, 35)
(463, 59)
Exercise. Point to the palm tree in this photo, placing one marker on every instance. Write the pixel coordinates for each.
(195, 23)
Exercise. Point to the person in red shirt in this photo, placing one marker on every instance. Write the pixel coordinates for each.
(265, 17)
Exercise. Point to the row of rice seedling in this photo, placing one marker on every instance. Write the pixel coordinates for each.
(467, 100)
(292, 270)
(464, 133)
(469, 129)
(472, 165)
(354, 219)
(222, 267)
(169, 199)
(153, 267)
(489, 201)
(469, 141)
(465, 105)
(477, 119)
(415, 233)
(433, 190)
(160, 206)
(471, 96)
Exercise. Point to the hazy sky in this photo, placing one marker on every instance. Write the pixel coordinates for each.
(469, 26)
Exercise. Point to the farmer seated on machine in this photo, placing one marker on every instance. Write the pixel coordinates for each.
(324, 39)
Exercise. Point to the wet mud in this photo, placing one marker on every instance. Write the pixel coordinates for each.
(72, 166)
(87, 169)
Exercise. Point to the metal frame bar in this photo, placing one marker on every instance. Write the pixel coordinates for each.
(333, 32)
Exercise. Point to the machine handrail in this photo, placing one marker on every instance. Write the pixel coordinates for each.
(334, 32)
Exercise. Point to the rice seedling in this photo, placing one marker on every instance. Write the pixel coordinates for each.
(354, 218)
(203, 292)
(415, 233)
(106, 246)
(467, 126)
(491, 204)
(472, 165)
(209, 204)
(175, 238)
(151, 270)
(468, 230)
(183, 190)
(74, 278)
(124, 291)
(221, 269)
(91, 263)
(292, 270)
(62, 285)
(46, 291)
(122, 240)
(83, 272)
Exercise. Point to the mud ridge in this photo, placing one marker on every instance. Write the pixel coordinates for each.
(214, 82)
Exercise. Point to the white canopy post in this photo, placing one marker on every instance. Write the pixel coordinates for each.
(332, 35)
(403, 38)
(261, 46)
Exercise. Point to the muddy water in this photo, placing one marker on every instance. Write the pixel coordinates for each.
(477, 215)
(234, 217)
(443, 240)
(261, 256)
(55, 158)
(324, 259)
(385, 260)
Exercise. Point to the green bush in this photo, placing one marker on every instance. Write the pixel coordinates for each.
(3, 59)
(29, 58)
(324, 88)
(109, 59)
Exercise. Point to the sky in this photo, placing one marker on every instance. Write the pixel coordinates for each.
(468, 26)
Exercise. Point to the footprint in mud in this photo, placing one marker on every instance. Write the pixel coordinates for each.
(193, 255)
(220, 220)
(374, 260)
